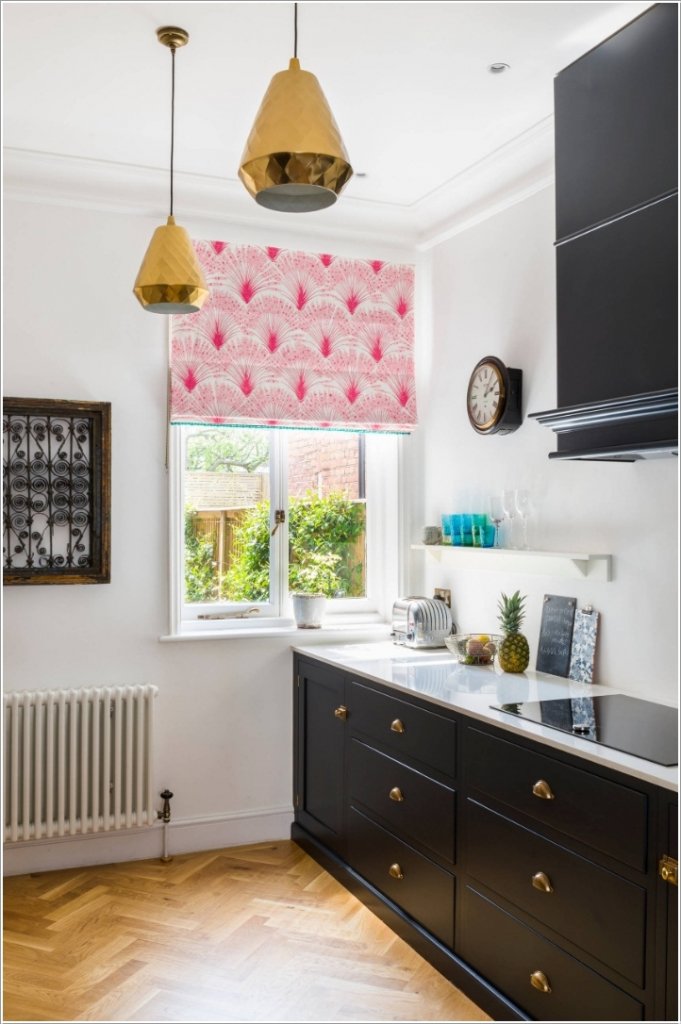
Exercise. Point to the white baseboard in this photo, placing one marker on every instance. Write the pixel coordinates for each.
(185, 835)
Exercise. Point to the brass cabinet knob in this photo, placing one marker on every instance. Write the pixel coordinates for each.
(542, 882)
(543, 790)
(396, 794)
(539, 981)
(395, 871)
(669, 869)
(341, 712)
(397, 726)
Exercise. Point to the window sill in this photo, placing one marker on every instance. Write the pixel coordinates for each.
(329, 631)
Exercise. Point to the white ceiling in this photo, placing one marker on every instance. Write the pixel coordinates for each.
(407, 82)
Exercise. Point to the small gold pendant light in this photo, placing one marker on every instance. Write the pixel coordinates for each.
(295, 160)
(170, 278)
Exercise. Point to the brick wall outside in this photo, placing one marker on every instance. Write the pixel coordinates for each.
(324, 463)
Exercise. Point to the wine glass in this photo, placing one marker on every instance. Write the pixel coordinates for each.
(496, 516)
(523, 507)
(510, 511)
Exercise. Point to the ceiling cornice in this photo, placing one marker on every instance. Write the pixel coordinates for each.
(509, 174)
(506, 176)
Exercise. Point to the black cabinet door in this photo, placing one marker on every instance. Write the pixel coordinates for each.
(405, 876)
(670, 908)
(409, 803)
(616, 123)
(320, 744)
(537, 975)
(603, 815)
(597, 910)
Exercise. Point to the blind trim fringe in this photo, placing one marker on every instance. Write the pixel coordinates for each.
(298, 340)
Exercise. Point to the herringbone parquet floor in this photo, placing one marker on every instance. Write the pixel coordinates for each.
(252, 933)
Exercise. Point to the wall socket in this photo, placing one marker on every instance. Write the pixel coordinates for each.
(441, 594)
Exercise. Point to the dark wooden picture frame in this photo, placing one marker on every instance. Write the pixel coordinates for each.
(57, 491)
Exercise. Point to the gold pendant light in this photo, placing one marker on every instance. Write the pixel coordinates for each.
(170, 278)
(294, 159)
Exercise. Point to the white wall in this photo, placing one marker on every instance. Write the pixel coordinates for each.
(73, 330)
(494, 294)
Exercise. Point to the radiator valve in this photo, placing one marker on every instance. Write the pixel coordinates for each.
(166, 796)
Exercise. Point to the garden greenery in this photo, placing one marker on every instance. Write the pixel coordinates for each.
(322, 535)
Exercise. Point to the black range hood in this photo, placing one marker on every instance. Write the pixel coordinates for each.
(616, 124)
(643, 426)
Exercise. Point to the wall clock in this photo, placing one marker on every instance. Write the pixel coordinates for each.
(494, 399)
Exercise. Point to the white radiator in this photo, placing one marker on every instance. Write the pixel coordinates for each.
(78, 761)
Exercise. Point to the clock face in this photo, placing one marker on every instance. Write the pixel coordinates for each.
(486, 397)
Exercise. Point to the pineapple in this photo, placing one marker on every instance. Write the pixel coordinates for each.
(514, 650)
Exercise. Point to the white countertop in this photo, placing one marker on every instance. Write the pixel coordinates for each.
(436, 677)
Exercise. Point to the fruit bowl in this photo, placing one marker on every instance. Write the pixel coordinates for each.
(474, 648)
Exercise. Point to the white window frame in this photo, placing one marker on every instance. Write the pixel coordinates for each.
(382, 534)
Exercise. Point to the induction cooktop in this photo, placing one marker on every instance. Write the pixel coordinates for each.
(633, 726)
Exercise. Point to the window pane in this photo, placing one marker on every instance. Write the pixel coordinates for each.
(227, 515)
(327, 513)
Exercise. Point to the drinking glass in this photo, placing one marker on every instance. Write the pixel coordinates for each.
(523, 507)
(496, 515)
(510, 511)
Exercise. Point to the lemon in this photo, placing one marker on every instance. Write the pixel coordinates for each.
(483, 639)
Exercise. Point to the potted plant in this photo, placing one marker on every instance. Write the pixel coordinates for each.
(312, 579)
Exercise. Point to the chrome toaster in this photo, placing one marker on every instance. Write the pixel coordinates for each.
(421, 622)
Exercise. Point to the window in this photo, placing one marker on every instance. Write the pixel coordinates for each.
(258, 514)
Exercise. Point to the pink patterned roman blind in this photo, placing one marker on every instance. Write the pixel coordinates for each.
(296, 339)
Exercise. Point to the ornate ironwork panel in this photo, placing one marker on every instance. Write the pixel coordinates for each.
(56, 476)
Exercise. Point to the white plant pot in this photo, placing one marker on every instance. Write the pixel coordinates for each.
(308, 610)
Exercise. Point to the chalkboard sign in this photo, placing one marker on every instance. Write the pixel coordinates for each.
(555, 634)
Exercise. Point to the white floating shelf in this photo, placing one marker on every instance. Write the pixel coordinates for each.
(541, 563)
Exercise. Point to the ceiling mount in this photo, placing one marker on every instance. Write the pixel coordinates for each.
(172, 36)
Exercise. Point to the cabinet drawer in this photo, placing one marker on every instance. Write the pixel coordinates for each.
(424, 891)
(410, 803)
(404, 728)
(593, 908)
(603, 815)
(509, 953)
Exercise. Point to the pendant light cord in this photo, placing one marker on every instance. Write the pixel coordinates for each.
(172, 126)
(295, 30)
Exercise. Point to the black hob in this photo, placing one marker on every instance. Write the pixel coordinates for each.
(633, 726)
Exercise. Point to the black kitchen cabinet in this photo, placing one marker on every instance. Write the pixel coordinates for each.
(616, 115)
(527, 876)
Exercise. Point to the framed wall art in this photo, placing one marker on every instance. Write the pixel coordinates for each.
(57, 491)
